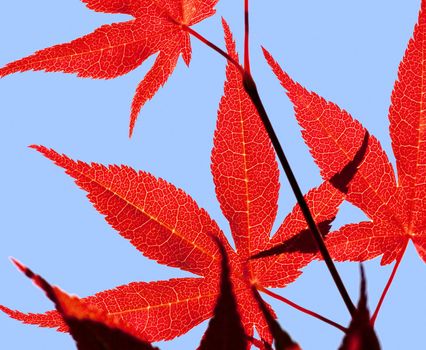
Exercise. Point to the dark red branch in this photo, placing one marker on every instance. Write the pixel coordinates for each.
(251, 89)
(246, 37)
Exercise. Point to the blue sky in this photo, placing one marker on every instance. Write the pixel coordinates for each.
(347, 51)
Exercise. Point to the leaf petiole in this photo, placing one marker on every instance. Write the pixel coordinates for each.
(213, 46)
(388, 284)
(302, 309)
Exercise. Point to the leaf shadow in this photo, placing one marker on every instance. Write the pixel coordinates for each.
(303, 241)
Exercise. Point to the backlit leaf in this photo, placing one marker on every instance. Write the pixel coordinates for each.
(116, 49)
(396, 208)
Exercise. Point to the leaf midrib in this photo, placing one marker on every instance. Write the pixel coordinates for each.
(151, 217)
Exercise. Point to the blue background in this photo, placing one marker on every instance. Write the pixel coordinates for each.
(347, 51)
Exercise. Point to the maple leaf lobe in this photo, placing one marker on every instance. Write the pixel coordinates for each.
(244, 166)
(92, 328)
(166, 225)
(133, 204)
(396, 209)
(116, 49)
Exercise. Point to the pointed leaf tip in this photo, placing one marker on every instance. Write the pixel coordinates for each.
(225, 24)
(38, 148)
(91, 328)
(131, 127)
(360, 334)
(25, 270)
(265, 51)
(21, 267)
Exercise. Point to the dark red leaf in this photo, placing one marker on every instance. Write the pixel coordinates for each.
(361, 334)
(282, 340)
(91, 328)
(225, 330)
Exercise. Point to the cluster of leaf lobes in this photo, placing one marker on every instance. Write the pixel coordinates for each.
(166, 225)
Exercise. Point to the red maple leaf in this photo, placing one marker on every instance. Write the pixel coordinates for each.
(116, 49)
(92, 328)
(166, 225)
(396, 209)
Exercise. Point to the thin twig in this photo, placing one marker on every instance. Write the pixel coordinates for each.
(251, 89)
(214, 47)
(246, 37)
(302, 309)
(388, 284)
